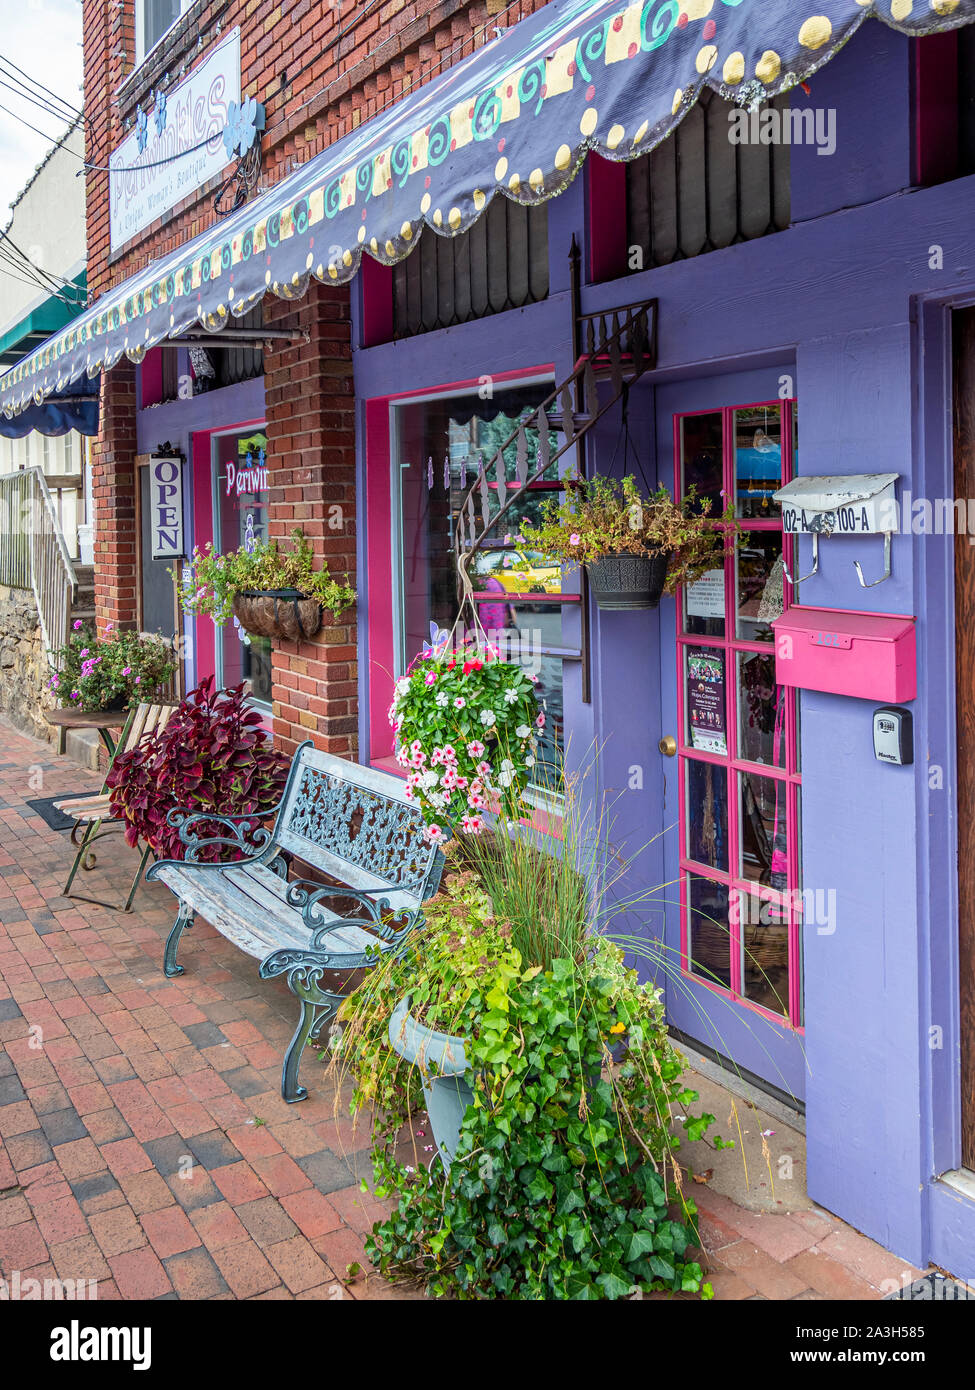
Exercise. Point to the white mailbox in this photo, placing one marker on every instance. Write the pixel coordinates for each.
(852, 504)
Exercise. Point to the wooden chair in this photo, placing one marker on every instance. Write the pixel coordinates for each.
(92, 811)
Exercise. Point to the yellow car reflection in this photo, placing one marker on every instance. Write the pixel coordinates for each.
(521, 571)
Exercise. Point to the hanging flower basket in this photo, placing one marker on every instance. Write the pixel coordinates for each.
(284, 613)
(627, 582)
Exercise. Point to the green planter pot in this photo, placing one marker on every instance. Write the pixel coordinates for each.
(628, 582)
(443, 1075)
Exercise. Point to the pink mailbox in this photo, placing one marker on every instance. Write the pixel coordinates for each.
(870, 655)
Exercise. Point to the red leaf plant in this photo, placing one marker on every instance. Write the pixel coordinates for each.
(213, 755)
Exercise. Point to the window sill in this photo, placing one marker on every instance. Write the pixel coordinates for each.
(177, 43)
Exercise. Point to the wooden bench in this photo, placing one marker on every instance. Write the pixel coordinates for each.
(350, 823)
(94, 812)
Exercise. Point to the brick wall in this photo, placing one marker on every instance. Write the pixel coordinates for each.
(311, 461)
(320, 70)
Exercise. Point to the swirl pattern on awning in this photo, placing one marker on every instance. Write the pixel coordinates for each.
(515, 119)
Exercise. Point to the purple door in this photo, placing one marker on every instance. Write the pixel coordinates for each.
(729, 741)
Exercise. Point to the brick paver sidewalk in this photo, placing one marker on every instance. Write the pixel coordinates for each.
(143, 1139)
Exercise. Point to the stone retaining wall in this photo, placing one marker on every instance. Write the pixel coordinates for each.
(23, 663)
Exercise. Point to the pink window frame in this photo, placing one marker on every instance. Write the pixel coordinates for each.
(381, 622)
(790, 776)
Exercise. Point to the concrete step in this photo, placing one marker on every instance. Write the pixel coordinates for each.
(82, 746)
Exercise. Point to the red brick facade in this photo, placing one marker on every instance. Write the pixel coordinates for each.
(320, 71)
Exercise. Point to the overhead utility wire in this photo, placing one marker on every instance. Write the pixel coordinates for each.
(34, 82)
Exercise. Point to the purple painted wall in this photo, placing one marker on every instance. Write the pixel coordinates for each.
(176, 422)
(848, 296)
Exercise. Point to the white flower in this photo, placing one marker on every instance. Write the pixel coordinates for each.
(488, 717)
(403, 686)
(511, 697)
(529, 762)
(522, 731)
(429, 778)
(442, 699)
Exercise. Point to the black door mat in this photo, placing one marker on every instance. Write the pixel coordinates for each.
(57, 820)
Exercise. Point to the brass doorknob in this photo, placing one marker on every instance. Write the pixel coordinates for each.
(668, 745)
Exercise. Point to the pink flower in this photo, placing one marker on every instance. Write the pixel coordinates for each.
(540, 721)
(76, 694)
(574, 538)
(472, 825)
(434, 833)
(409, 793)
(448, 754)
(460, 702)
(126, 670)
(484, 768)
(430, 678)
(109, 626)
(76, 624)
(138, 679)
(83, 652)
(475, 748)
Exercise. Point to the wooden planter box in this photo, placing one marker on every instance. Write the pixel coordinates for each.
(285, 613)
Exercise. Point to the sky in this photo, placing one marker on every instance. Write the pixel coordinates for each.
(43, 39)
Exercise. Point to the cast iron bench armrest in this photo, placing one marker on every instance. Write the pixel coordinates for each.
(260, 837)
(298, 895)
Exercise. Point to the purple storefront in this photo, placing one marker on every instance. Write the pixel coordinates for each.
(811, 934)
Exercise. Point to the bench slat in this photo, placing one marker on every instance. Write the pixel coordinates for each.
(249, 909)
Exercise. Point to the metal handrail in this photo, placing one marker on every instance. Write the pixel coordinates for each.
(33, 553)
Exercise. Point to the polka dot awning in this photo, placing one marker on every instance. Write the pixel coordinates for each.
(516, 119)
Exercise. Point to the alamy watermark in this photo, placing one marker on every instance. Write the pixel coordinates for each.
(770, 126)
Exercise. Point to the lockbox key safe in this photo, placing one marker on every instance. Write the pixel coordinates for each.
(893, 735)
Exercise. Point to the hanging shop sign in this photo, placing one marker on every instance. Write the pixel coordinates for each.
(706, 700)
(166, 506)
(177, 146)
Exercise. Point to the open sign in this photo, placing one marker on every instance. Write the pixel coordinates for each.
(166, 507)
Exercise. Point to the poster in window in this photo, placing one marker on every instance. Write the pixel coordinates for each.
(706, 700)
(705, 597)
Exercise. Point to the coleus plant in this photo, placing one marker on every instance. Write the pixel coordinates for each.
(212, 755)
(466, 724)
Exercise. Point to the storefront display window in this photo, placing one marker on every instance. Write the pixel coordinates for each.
(240, 513)
(438, 445)
(741, 886)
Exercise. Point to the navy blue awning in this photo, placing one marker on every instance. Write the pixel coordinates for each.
(517, 118)
(75, 407)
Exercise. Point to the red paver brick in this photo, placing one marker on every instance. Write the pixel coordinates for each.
(139, 1274)
(89, 1098)
(312, 1212)
(194, 1275)
(139, 1110)
(81, 1158)
(170, 1232)
(297, 1263)
(357, 1209)
(61, 1220)
(18, 1118)
(254, 1141)
(14, 1210)
(126, 1156)
(245, 1269)
(146, 1191)
(21, 1246)
(79, 1259)
(867, 1260)
(765, 1275)
(829, 1278)
(281, 1174)
(239, 1183)
(219, 1226)
(117, 1231)
(190, 1119)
